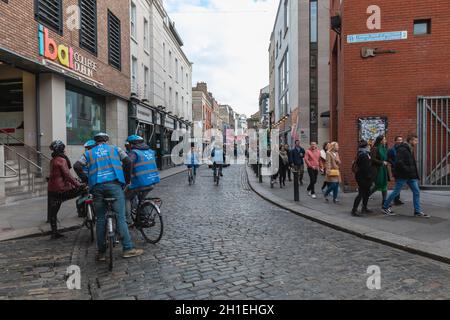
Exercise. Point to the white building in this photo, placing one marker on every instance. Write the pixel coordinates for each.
(300, 40)
(161, 78)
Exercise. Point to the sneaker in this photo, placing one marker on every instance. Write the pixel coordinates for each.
(132, 253)
(101, 257)
(387, 211)
(314, 196)
(336, 201)
(326, 198)
(421, 215)
(309, 193)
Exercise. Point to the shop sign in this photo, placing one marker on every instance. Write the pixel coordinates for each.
(64, 55)
(170, 123)
(382, 36)
(144, 114)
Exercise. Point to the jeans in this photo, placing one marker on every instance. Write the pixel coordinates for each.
(413, 185)
(132, 199)
(194, 168)
(313, 173)
(110, 190)
(332, 187)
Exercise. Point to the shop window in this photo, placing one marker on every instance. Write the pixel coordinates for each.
(85, 115)
(88, 31)
(49, 13)
(422, 27)
(114, 42)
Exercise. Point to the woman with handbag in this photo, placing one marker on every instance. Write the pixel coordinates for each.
(333, 175)
(284, 165)
(62, 186)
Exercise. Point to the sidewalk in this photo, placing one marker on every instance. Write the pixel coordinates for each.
(27, 218)
(427, 237)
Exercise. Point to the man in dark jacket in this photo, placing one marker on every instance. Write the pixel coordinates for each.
(364, 178)
(296, 160)
(406, 173)
(392, 159)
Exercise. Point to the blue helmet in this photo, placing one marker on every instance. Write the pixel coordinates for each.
(135, 139)
(90, 144)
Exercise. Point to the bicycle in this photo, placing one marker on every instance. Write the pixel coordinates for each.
(216, 173)
(85, 208)
(146, 215)
(191, 176)
(111, 233)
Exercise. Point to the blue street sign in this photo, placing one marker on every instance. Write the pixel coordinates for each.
(383, 36)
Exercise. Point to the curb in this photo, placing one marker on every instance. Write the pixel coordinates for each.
(339, 224)
(34, 232)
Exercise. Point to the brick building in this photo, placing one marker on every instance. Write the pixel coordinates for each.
(202, 108)
(63, 81)
(382, 93)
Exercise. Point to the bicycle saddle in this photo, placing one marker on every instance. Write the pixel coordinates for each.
(110, 199)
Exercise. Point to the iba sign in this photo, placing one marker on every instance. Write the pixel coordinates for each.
(64, 55)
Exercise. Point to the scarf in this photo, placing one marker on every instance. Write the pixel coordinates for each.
(62, 155)
(284, 156)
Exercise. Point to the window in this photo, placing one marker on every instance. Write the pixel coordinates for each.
(165, 95)
(88, 31)
(187, 80)
(114, 42)
(176, 69)
(182, 78)
(85, 115)
(133, 21)
(170, 98)
(146, 74)
(182, 104)
(170, 62)
(313, 21)
(313, 61)
(422, 27)
(146, 38)
(49, 13)
(134, 74)
(164, 56)
(286, 15)
(177, 103)
(283, 85)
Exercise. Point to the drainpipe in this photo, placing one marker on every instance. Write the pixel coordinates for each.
(38, 114)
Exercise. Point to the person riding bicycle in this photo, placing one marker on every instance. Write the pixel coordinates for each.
(144, 172)
(109, 170)
(217, 159)
(192, 160)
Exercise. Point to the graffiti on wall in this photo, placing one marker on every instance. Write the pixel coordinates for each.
(371, 128)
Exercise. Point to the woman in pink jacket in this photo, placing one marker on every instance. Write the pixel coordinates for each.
(312, 159)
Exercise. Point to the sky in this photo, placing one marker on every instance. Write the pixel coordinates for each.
(228, 42)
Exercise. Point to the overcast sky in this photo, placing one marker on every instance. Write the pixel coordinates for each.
(228, 41)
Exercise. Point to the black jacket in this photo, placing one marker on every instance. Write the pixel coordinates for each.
(364, 174)
(296, 156)
(405, 165)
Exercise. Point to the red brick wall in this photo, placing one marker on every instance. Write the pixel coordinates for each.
(388, 85)
(19, 33)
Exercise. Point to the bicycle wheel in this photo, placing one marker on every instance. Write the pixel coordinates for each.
(90, 221)
(111, 249)
(151, 223)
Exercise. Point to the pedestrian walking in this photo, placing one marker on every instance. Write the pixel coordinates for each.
(323, 161)
(333, 175)
(283, 164)
(406, 173)
(392, 159)
(362, 168)
(312, 160)
(380, 167)
(288, 169)
(296, 160)
(62, 186)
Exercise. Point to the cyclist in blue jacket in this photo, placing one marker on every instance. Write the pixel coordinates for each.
(144, 171)
(192, 160)
(109, 170)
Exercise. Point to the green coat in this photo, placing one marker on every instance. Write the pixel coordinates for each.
(382, 179)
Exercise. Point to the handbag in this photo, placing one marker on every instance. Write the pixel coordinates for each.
(334, 173)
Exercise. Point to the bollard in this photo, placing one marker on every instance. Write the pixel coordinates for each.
(296, 187)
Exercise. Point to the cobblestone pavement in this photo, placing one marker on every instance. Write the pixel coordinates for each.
(222, 242)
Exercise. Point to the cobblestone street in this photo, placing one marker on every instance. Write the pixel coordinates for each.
(222, 242)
